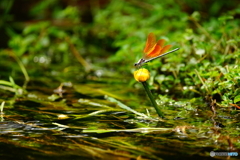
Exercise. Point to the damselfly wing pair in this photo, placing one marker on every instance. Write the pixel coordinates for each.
(154, 49)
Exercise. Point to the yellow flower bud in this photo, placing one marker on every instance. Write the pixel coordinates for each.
(141, 75)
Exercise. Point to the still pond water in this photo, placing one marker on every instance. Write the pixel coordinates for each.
(103, 121)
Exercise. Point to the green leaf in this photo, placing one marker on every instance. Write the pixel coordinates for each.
(237, 99)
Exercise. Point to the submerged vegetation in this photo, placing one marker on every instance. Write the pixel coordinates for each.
(66, 81)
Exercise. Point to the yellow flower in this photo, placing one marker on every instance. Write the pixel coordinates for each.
(141, 75)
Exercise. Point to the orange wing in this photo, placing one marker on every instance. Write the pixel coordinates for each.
(161, 42)
(165, 49)
(151, 41)
(154, 52)
(153, 49)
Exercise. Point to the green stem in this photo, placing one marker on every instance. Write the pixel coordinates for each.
(20, 65)
(159, 112)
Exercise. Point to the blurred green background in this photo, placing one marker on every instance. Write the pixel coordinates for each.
(100, 40)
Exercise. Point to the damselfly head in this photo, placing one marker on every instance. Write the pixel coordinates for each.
(139, 63)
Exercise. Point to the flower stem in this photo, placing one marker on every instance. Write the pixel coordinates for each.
(159, 112)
